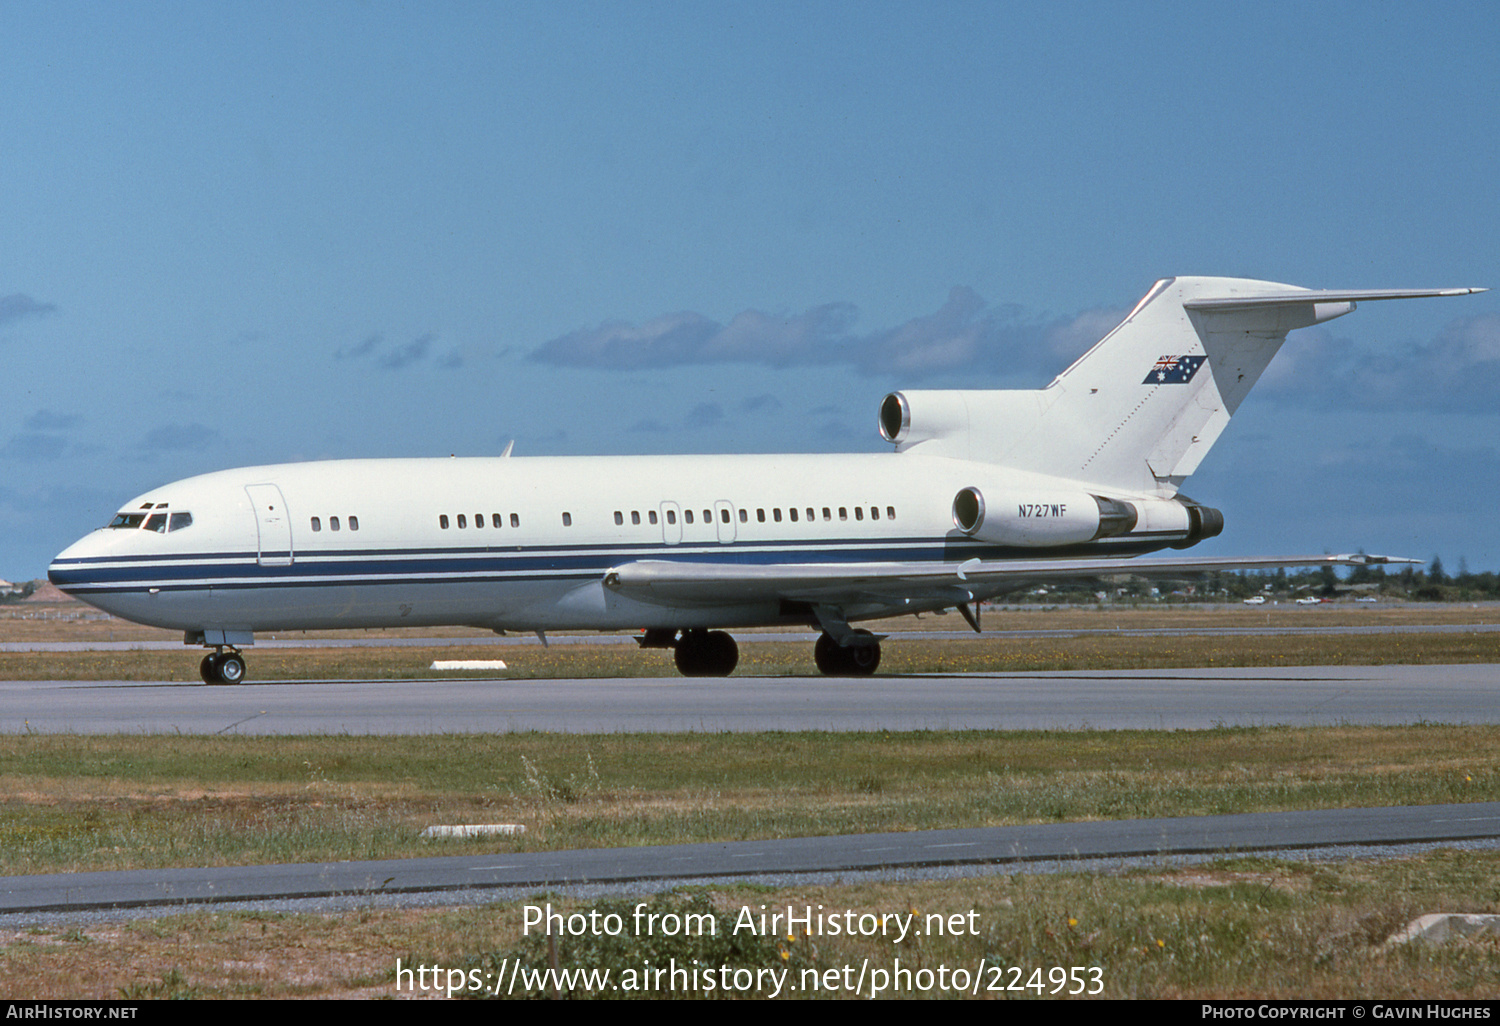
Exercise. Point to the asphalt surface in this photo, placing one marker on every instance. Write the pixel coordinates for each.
(472, 877)
(1064, 700)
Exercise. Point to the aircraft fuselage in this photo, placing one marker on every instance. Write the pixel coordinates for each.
(525, 543)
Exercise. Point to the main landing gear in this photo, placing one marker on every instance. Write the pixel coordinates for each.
(221, 667)
(701, 653)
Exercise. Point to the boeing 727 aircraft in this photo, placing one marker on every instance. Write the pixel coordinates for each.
(985, 493)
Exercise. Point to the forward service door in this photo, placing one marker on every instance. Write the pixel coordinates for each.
(273, 527)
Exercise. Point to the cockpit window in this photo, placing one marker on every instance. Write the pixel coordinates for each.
(161, 523)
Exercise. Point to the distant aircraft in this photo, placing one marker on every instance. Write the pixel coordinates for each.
(986, 493)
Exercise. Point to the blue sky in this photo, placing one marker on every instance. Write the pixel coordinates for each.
(241, 233)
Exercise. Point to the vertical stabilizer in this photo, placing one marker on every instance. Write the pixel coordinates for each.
(1138, 411)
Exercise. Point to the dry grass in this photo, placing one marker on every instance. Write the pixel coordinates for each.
(130, 801)
(1247, 929)
(962, 653)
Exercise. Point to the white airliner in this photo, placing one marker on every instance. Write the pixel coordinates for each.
(985, 493)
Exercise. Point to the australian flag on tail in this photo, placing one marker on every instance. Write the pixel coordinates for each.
(1174, 370)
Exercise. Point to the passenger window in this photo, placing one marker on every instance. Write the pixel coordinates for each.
(619, 519)
(567, 520)
(776, 514)
(496, 520)
(744, 516)
(354, 523)
(859, 512)
(874, 512)
(793, 514)
(333, 523)
(843, 515)
(811, 514)
(515, 520)
(651, 516)
(317, 525)
(760, 516)
(443, 521)
(890, 512)
(478, 519)
(635, 516)
(724, 516)
(687, 516)
(671, 516)
(463, 521)
(180, 520)
(826, 514)
(708, 516)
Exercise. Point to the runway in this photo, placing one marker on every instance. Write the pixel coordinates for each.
(1069, 700)
(475, 877)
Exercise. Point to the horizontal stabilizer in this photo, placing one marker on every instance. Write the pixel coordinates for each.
(1226, 303)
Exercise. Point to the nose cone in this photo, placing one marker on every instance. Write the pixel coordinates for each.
(70, 565)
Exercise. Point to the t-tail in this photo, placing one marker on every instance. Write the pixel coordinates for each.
(1138, 412)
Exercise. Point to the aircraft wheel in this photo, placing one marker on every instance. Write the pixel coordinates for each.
(863, 659)
(857, 660)
(828, 656)
(688, 655)
(209, 669)
(723, 654)
(232, 668)
(706, 654)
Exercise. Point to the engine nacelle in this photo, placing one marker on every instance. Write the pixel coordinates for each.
(1040, 520)
(1179, 521)
(1052, 518)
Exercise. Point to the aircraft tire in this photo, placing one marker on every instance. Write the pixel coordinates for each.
(724, 654)
(232, 668)
(835, 660)
(209, 669)
(863, 659)
(706, 654)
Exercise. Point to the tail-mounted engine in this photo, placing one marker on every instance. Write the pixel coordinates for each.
(1058, 518)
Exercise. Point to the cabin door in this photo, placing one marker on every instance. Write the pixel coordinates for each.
(273, 527)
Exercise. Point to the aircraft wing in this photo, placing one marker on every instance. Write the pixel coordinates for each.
(709, 584)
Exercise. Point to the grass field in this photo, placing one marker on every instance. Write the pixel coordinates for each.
(1254, 928)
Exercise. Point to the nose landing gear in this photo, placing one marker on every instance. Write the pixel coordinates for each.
(221, 667)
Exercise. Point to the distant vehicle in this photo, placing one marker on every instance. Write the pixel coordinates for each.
(1256, 600)
(1309, 601)
(1367, 598)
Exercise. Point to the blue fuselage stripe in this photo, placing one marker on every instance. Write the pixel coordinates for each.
(99, 575)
